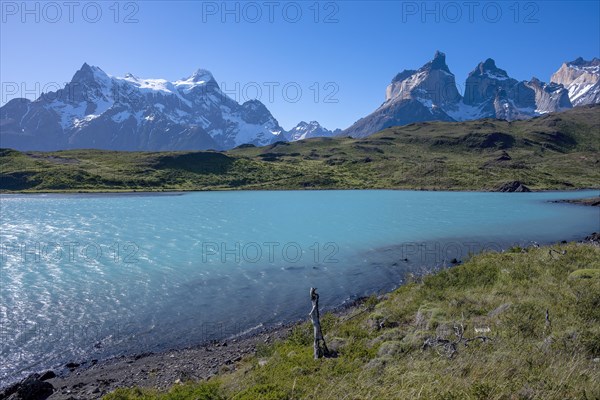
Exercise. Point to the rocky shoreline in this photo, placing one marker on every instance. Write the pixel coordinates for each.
(93, 379)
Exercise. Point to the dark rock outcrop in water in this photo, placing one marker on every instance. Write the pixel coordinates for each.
(593, 202)
(514, 186)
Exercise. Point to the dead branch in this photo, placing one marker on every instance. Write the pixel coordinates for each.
(450, 347)
(319, 346)
(548, 324)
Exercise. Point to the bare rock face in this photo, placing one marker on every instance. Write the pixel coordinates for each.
(529, 98)
(433, 83)
(582, 80)
(549, 97)
(485, 81)
(395, 89)
(497, 95)
(396, 113)
(505, 107)
(413, 96)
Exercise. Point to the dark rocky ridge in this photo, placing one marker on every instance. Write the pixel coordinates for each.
(514, 186)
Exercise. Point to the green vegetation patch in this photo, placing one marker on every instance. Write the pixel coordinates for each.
(554, 151)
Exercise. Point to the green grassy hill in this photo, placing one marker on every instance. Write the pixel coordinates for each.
(538, 309)
(555, 151)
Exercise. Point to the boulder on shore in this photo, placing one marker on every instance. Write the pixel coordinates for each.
(30, 388)
(514, 186)
(594, 238)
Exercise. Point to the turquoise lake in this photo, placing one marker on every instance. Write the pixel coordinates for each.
(94, 276)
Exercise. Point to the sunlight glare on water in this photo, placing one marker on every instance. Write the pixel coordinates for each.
(92, 276)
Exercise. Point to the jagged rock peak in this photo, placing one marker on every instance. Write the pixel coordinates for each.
(89, 73)
(489, 68)
(579, 62)
(535, 80)
(311, 123)
(438, 63)
(201, 75)
(489, 64)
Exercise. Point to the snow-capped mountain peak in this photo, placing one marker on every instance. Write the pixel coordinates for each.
(96, 110)
(305, 130)
(582, 80)
(89, 74)
(201, 76)
(489, 69)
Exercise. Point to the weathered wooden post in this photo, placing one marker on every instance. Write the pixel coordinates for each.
(319, 351)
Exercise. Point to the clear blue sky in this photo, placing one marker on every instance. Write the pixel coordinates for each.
(358, 46)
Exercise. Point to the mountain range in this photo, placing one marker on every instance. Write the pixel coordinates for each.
(431, 94)
(96, 110)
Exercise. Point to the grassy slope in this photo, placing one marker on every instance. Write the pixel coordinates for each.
(507, 292)
(556, 151)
